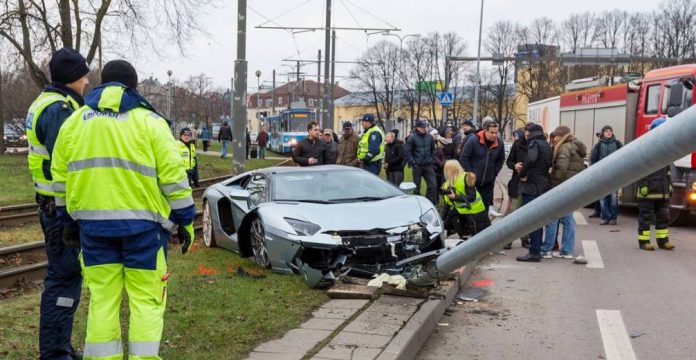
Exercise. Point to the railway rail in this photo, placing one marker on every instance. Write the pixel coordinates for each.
(26, 263)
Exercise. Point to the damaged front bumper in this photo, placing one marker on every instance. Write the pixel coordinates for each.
(325, 257)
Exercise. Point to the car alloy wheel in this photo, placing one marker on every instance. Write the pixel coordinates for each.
(208, 237)
(258, 243)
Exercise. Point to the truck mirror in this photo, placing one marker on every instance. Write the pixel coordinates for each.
(673, 111)
(688, 84)
(675, 95)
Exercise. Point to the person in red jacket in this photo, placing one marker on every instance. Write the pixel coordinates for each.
(262, 141)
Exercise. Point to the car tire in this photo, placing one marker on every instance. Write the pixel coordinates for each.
(257, 238)
(208, 233)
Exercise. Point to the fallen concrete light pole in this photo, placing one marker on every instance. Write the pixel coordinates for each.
(656, 149)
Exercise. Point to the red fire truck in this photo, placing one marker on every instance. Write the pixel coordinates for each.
(629, 109)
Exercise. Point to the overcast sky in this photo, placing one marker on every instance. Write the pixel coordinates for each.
(214, 53)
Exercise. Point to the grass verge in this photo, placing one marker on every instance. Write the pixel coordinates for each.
(212, 313)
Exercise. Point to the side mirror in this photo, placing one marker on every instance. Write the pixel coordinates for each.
(407, 187)
(673, 111)
(675, 95)
(239, 194)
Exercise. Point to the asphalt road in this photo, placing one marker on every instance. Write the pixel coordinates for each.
(629, 304)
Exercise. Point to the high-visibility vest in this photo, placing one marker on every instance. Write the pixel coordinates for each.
(477, 205)
(188, 155)
(126, 167)
(38, 153)
(364, 144)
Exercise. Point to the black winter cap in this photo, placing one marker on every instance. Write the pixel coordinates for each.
(607, 127)
(121, 71)
(469, 122)
(67, 66)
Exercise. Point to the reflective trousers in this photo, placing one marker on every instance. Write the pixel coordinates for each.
(61, 294)
(138, 264)
(657, 212)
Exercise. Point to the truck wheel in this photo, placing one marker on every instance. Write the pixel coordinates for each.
(680, 218)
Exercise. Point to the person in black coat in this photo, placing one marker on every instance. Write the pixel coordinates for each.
(312, 149)
(516, 157)
(420, 151)
(484, 155)
(535, 180)
(394, 159)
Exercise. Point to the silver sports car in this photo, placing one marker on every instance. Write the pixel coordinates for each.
(322, 222)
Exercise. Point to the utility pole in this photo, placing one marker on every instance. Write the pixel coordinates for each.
(240, 106)
(169, 95)
(273, 99)
(231, 97)
(478, 69)
(320, 105)
(327, 46)
(330, 122)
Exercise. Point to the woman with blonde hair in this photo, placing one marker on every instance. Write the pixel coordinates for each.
(465, 212)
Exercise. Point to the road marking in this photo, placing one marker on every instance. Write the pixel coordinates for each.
(617, 345)
(579, 218)
(594, 259)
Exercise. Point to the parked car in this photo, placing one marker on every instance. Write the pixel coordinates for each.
(321, 222)
(14, 138)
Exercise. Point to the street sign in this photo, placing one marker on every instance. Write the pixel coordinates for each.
(446, 98)
(429, 85)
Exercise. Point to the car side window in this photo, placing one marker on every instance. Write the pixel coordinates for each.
(257, 188)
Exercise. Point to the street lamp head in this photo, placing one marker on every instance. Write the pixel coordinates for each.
(258, 73)
(169, 73)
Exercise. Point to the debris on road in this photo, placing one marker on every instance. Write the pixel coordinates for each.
(636, 334)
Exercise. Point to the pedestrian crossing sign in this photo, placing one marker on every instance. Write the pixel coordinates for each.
(446, 98)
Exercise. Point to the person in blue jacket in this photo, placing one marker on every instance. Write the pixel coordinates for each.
(63, 282)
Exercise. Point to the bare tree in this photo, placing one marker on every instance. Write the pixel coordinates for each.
(501, 39)
(637, 38)
(578, 31)
(35, 29)
(376, 75)
(538, 79)
(415, 73)
(675, 36)
(610, 25)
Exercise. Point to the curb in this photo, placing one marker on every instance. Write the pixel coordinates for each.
(407, 343)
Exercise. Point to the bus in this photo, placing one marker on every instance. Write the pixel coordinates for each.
(287, 129)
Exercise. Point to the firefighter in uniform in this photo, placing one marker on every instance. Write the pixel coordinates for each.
(654, 192)
(127, 188)
(465, 211)
(187, 150)
(63, 281)
(371, 145)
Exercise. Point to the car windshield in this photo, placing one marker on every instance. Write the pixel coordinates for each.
(332, 186)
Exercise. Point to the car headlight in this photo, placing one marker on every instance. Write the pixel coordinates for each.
(303, 228)
(23, 137)
(430, 219)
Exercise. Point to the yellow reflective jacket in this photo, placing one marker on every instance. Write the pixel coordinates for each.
(117, 169)
(475, 207)
(38, 153)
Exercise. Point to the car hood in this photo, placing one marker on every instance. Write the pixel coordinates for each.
(357, 216)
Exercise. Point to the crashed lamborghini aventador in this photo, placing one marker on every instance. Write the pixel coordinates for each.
(321, 222)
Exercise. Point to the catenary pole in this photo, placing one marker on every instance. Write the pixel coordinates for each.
(330, 121)
(320, 105)
(327, 57)
(240, 92)
(478, 69)
(655, 150)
